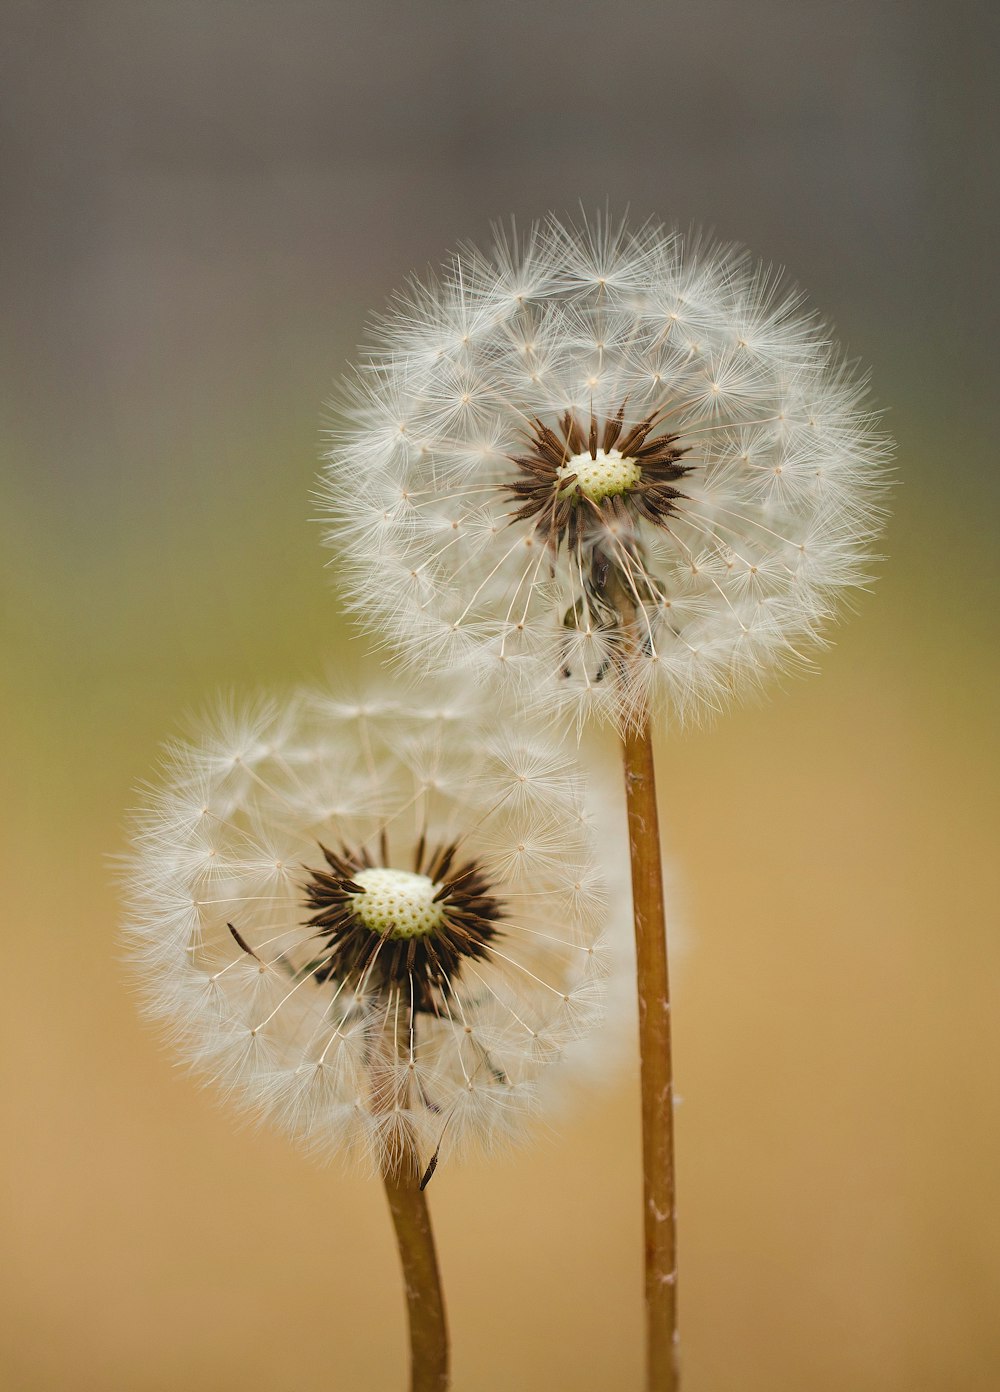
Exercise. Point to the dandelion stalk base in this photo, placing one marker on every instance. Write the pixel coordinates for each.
(656, 1067)
(424, 1298)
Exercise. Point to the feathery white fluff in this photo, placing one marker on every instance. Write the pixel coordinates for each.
(675, 613)
(232, 834)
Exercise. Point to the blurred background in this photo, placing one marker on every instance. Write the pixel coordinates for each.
(203, 202)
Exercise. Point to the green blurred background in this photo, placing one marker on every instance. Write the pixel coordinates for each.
(202, 203)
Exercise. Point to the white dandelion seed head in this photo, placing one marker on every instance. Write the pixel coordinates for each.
(622, 471)
(374, 922)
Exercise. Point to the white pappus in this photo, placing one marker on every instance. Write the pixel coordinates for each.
(623, 470)
(376, 922)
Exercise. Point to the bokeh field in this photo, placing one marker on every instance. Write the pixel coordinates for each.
(205, 200)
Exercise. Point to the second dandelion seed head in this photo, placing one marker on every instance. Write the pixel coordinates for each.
(375, 923)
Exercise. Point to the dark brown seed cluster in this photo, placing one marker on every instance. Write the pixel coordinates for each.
(420, 967)
(564, 513)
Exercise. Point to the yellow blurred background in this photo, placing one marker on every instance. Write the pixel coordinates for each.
(203, 202)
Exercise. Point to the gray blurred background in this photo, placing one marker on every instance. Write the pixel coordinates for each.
(202, 203)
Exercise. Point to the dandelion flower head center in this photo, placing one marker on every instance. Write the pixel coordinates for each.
(397, 903)
(607, 475)
(384, 929)
(608, 465)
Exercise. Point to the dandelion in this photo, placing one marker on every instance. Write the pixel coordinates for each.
(623, 470)
(375, 924)
(629, 475)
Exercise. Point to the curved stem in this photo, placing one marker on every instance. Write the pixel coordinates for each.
(418, 1257)
(656, 1068)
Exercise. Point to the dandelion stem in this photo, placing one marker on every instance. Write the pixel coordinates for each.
(656, 1068)
(418, 1257)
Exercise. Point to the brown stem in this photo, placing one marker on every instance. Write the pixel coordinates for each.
(656, 1069)
(424, 1298)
